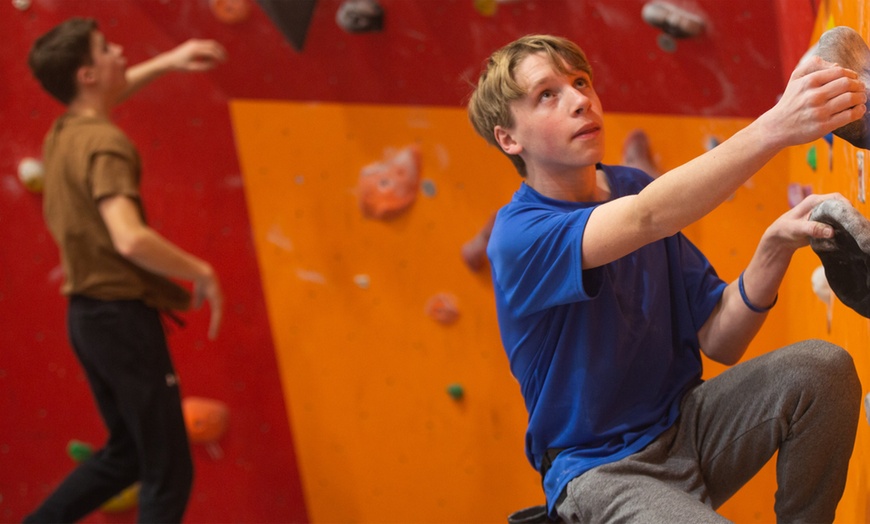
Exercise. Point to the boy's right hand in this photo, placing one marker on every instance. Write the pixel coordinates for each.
(196, 55)
(819, 98)
(208, 289)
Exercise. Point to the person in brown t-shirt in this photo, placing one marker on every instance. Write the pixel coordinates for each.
(118, 274)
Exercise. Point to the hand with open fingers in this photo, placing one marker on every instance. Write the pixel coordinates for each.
(819, 98)
(197, 55)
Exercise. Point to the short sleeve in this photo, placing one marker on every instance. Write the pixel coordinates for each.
(112, 174)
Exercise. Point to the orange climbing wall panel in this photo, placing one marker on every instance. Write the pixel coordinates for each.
(365, 372)
(838, 169)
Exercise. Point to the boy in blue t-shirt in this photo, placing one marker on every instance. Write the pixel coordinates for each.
(605, 307)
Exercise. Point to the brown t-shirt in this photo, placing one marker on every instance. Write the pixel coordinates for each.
(88, 158)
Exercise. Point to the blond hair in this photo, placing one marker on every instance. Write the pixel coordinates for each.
(489, 105)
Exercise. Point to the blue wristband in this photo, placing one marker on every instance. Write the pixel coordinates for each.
(749, 304)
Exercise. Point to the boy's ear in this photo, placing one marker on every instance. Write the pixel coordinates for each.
(85, 75)
(506, 141)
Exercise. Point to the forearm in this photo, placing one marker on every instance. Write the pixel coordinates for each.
(149, 250)
(676, 199)
(143, 73)
(687, 193)
(735, 322)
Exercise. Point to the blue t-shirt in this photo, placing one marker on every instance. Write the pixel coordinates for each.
(603, 356)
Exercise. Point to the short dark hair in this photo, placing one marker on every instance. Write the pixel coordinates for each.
(56, 57)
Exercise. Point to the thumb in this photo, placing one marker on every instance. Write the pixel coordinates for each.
(820, 230)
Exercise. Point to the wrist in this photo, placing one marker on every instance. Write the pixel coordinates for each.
(749, 304)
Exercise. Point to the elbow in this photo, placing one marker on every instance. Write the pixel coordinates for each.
(727, 353)
(728, 360)
(129, 245)
(654, 222)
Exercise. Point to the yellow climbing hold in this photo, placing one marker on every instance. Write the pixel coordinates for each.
(486, 7)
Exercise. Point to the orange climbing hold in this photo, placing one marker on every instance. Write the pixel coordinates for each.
(442, 308)
(206, 419)
(389, 187)
(230, 11)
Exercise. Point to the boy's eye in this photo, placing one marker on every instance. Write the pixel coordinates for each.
(581, 83)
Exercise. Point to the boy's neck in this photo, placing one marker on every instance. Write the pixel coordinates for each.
(588, 185)
(85, 112)
(87, 104)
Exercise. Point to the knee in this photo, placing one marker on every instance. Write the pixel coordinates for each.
(829, 366)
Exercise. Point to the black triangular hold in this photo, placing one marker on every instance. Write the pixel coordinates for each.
(292, 17)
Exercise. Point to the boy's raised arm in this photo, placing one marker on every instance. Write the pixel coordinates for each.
(192, 55)
(819, 98)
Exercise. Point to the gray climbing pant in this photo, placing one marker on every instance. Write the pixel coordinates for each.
(802, 401)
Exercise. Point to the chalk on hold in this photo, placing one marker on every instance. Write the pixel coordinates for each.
(31, 174)
(360, 16)
(387, 188)
(673, 20)
(844, 46)
(846, 256)
(362, 281)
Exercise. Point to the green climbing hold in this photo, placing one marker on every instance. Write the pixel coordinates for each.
(78, 450)
(456, 391)
(811, 157)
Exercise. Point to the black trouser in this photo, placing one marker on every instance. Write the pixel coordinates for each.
(122, 348)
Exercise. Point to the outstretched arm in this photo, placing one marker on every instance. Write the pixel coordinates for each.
(143, 246)
(732, 325)
(819, 98)
(193, 55)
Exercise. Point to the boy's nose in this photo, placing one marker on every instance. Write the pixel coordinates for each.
(579, 101)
